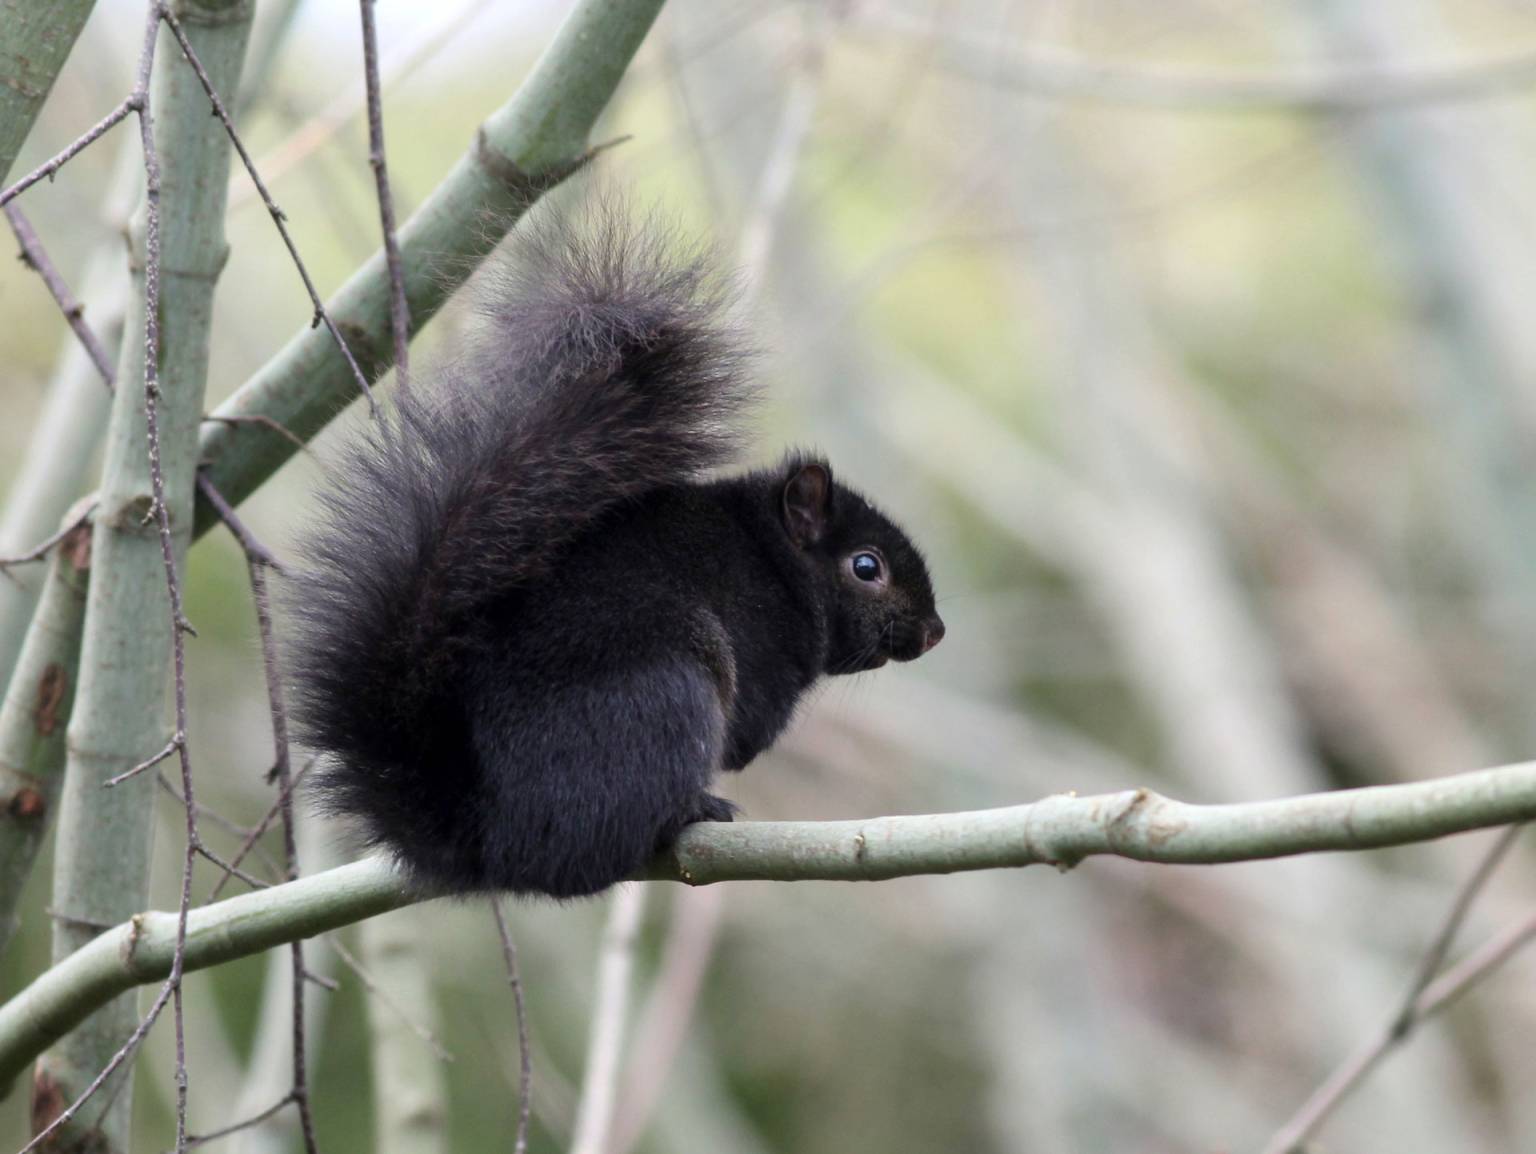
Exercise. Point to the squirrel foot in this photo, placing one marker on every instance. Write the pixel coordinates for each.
(712, 808)
(708, 807)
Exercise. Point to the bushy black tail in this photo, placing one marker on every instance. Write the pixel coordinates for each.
(606, 370)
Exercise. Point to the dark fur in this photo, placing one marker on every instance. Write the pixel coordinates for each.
(528, 631)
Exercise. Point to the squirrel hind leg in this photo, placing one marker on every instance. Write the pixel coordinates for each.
(596, 776)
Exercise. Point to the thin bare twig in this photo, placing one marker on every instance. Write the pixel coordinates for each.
(321, 980)
(249, 879)
(259, 559)
(325, 124)
(89, 137)
(203, 810)
(175, 743)
(524, 1053)
(284, 776)
(253, 1120)
(41, 550)
(399, 310)
(255, 552)
(123, 1054)
(1425, 996)
(138, 103)
(1456, 916)
(209, 814)
(265, 421)
(1475, 966)
(248, 846)
(279, 218)
(300, 1092)
(36, 258)
(375, 990)
(179, 624)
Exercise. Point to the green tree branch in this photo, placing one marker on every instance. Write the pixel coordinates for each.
(35, 40)
(1060, 831)
(105, 837)
(529, 145)
(33, 719)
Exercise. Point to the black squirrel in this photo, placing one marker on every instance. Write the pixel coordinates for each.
(528, 630)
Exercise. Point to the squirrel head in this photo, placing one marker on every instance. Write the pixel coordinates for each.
(873, 580)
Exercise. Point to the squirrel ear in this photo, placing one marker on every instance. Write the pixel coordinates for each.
(807, 503)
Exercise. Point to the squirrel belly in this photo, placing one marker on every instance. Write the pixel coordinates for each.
(527, 631)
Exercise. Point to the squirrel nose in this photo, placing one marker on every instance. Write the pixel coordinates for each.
(933, 633)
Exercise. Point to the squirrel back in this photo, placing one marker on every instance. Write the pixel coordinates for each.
(527, 631)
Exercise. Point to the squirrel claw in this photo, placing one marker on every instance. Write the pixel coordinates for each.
(712, 808)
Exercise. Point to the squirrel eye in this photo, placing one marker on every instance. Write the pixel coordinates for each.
(866, 566)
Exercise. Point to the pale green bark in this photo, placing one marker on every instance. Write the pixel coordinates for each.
(1059, 831)
(57, 457)
(140, 950)
(410, 1089)
(610, 1019)
(269, 1070)
(33, 719)
(105, 838)
(75, 406)
(35, 40)
(1139, 824)
(529, 144)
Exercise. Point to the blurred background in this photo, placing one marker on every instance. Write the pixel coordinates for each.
(1193, 340)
